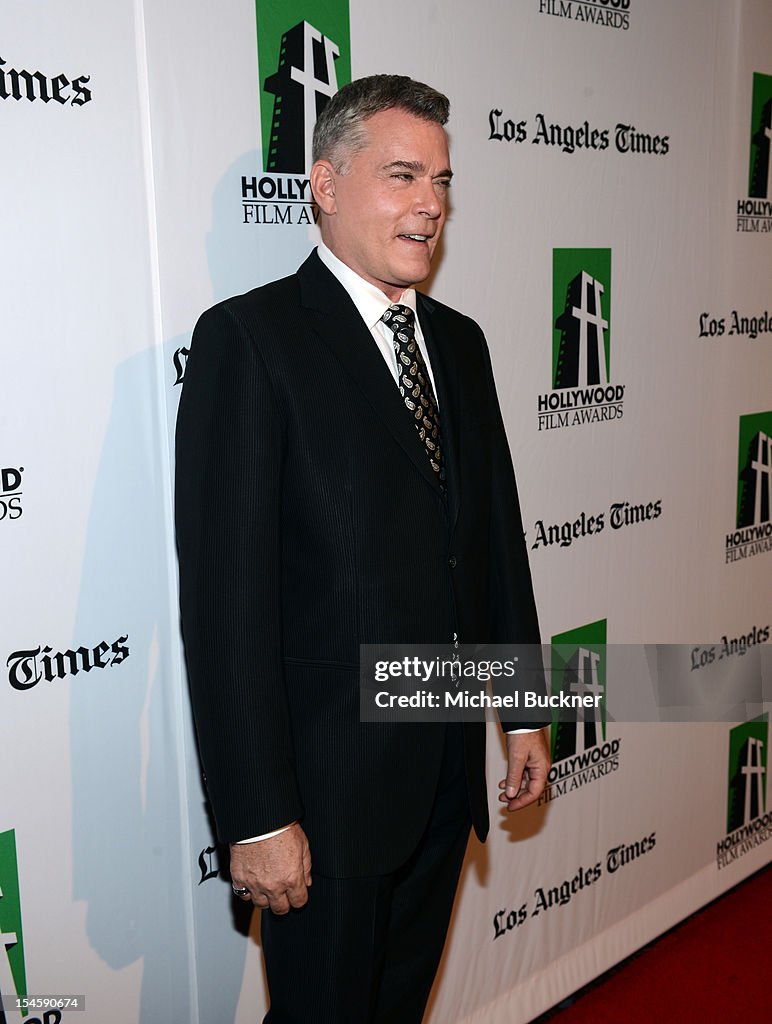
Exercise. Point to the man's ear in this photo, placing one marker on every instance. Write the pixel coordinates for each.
(323, 178)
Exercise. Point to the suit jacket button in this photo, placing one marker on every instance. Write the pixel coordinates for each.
(452, 561)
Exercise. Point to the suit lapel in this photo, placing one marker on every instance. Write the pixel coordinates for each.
(339, 325)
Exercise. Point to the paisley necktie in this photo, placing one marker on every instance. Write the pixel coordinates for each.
(415, 385)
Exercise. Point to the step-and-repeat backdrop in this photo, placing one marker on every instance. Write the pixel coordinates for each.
(611, 229)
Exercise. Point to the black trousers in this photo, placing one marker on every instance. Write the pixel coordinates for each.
(365, 950)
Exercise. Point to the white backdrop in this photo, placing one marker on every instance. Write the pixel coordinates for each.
(129, 128)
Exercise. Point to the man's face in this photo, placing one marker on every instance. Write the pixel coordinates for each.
(383, 217)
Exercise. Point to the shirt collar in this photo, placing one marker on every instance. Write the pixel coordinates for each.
(370, 301)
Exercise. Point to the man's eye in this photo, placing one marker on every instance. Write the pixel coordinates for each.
(443, 183)
(404, 176)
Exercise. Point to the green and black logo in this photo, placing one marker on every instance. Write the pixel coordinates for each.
(13, 973)
(754, 214)
(748, 823)
(582, 391)
(304, 56)
(581, 750)
(753, 534)
(747, 788)
(760, 172)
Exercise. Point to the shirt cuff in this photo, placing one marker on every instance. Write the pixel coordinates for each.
(267, 835)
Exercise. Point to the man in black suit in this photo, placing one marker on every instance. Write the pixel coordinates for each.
(343, 478)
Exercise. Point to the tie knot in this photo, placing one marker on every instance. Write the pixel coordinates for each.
(399, 318)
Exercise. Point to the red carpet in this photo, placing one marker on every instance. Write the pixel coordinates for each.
(713, 968)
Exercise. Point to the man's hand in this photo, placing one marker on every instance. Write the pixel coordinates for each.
(528, 764)
(276, 871)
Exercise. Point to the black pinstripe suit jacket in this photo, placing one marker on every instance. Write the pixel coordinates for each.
(304, 504)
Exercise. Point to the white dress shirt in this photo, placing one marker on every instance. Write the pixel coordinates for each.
(371, 304)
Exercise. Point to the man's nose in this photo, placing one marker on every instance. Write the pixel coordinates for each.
(429, 203)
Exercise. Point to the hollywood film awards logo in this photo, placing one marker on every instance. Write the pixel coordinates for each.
(753, 535)
(15, 1001)
(582, 752)
(304, 57)
(609, 13)
(582, 390)
(13, 971)
(754, 214)
(748, 822)
(11, 493)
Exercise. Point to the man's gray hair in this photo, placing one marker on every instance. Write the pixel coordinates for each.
(340, 130)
